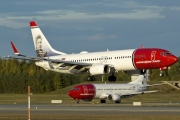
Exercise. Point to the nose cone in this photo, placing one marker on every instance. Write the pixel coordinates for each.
(70, 93)
(173, 59)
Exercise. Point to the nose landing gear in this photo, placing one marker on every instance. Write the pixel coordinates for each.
(161, 73)
(78, 101)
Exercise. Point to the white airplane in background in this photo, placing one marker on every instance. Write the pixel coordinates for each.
(114, 92)
(95, 63)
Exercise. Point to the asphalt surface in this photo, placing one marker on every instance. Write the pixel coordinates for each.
(89, 109)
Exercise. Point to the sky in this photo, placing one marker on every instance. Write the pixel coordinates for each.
(72, 26)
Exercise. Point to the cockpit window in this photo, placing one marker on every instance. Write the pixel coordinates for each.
(75, 88)
(165, 53)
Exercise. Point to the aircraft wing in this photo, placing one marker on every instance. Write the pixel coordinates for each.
(103, 96)
(136, 93)
(24, 57)
(68, 63)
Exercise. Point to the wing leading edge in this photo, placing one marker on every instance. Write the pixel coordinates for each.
(142, 92)
(24, 57)
(129, 94)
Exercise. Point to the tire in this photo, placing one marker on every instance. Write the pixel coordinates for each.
(112, 78)
(117, 101)
(103, 101)
(90, 78)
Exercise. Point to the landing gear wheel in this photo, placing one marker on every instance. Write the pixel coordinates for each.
(161, 73)
(112, 78)
(78, 102)
(117, 101)
(90, 78)
(103, 101)
(142, 72)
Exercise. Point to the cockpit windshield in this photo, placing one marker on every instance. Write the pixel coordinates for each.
(165, 53)
(75, 88)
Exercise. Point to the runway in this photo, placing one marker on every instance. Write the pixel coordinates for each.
(90, 109)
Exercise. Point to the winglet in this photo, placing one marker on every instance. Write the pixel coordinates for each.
(15, 50)
(33, 24)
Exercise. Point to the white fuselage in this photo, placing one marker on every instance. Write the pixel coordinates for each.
(102, 90)
(121, 60)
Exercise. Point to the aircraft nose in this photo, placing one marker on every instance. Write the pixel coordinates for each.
(173, 59)
(70, 93)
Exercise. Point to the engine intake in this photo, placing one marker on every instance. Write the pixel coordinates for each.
(114, 97)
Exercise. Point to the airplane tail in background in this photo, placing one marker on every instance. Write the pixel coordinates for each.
(42, 46)
(141, 79)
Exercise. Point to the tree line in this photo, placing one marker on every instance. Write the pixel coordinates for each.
(16, 75)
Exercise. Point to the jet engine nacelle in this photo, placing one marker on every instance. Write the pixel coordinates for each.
(99, 69)
(45, 64)
(114, 97)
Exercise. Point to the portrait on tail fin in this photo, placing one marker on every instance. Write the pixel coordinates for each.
(39, 50)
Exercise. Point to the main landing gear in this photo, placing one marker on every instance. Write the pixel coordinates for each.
(112, 78)
(90, 78)
(118, 101)
(103, 101)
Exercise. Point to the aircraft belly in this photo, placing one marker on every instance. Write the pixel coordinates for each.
(65, 69)
(99, 94)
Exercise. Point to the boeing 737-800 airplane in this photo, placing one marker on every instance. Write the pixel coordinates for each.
(95, 63)
(114, 92)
